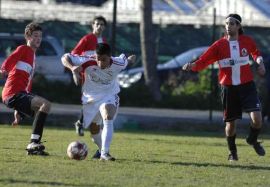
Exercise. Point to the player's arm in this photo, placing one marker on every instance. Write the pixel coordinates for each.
(10, 62)
(67, 62)
(256, 55)
(131, 59)
(210, 56)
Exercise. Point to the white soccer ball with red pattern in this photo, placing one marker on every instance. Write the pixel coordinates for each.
(77, 150)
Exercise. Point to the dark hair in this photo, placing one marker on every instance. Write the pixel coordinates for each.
(100, 18)
(103, 49)
(238, 21)
(30, 28)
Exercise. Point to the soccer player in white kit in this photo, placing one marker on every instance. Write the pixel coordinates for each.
(100, 89)
(87, 46)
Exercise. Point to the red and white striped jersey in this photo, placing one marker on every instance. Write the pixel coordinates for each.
(99, 83)
(87, 45)
(20, 66)
(233, 59)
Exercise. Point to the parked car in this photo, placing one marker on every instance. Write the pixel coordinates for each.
(127, 77)
(48, 56)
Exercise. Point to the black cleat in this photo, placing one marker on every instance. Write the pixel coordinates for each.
(257, 147)
(36, 149)
(96, 155)
(233, 157)
(40, 153)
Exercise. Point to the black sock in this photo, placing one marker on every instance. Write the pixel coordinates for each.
(81, 117)
(253, 135)
(231, 144)
(38, 126)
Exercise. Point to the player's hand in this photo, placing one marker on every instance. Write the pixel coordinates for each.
(76, 75)
(17, 119)
(131, 59)
(261, 69)
(187, 66)
(3, 74)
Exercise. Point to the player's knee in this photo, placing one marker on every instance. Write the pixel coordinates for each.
(94, 128)
(230, 129)
(108, 112)
(46, 106)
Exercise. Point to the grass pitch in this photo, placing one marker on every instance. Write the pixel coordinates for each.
(143, 159)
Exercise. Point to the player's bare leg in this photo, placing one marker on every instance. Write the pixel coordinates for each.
(41, 107)
(108, 112)
(17, 119)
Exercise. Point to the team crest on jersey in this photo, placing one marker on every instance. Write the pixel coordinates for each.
(244, 52)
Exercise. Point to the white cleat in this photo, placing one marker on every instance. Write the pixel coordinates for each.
(106, 157)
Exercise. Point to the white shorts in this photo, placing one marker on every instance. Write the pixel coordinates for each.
(92, 110)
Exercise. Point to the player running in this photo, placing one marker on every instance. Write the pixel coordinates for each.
(238, 91)
(87, 46)
(19, 68)
(100, 89)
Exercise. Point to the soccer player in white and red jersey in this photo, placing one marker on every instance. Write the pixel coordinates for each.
(87, 46)
(238, 91)
(19, 68)
(100, 89)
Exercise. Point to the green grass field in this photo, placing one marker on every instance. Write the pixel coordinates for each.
(143, 159)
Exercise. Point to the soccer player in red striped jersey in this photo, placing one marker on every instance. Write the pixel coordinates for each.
(238, 91)
(19, 68)
(100, 89)
(87, 46)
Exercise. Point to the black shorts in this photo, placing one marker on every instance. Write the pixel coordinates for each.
(236, 99)
(22, 103)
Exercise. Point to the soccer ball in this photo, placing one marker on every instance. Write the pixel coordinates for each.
(77, 150)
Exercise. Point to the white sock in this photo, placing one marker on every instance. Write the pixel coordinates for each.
(96, 138)
(106, 136)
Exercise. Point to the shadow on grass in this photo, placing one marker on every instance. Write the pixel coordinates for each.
(229, 165)
(18, 181)
(190, 133)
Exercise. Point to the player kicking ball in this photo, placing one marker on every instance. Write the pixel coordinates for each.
(19, 69)
(99, 91)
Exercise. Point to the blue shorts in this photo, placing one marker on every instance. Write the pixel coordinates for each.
(236, 99)
(22, 103)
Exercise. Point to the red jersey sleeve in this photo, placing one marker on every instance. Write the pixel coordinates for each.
(11, 61)
(208, 57)
(254, 51)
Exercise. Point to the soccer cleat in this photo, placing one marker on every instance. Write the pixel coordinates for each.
(233, 157)
(33, 146)
(96, 155)
(79, 128)
(106, 157)
(41, 153)
(36, 149)
(257, 147)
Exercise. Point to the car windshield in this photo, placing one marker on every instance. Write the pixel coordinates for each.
(7, 46)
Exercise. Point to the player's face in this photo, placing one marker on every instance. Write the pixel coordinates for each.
(103, 61)
(98, 27)
(35, 39)
(231, 27)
